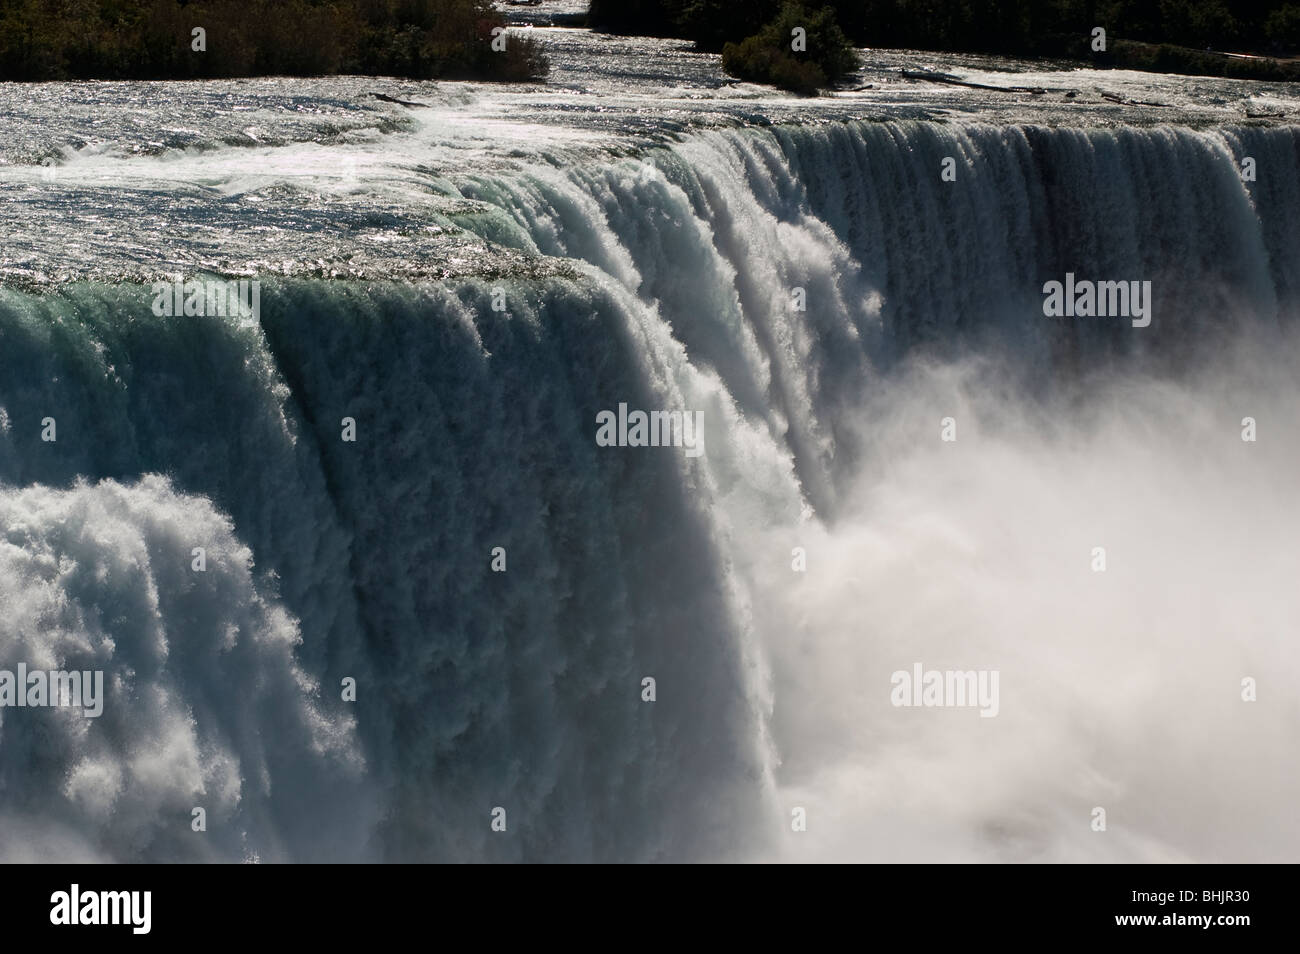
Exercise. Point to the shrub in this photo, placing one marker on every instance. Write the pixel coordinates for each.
(768, 56)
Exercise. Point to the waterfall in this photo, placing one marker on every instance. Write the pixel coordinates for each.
(823, 297)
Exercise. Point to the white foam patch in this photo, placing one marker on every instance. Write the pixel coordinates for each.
(205, 705)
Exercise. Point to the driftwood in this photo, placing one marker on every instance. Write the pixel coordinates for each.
(1133, 102)
(954, 81)
(400, 102)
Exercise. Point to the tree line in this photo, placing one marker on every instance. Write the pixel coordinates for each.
(155, 39)
(976, 26)
(755, 36)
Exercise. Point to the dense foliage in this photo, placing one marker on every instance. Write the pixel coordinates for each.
(994, 26)
(152, 39)
(768, 56)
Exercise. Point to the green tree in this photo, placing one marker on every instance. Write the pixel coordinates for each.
(799, 50)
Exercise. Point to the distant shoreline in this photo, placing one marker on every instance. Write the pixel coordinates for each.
(1168, 58)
